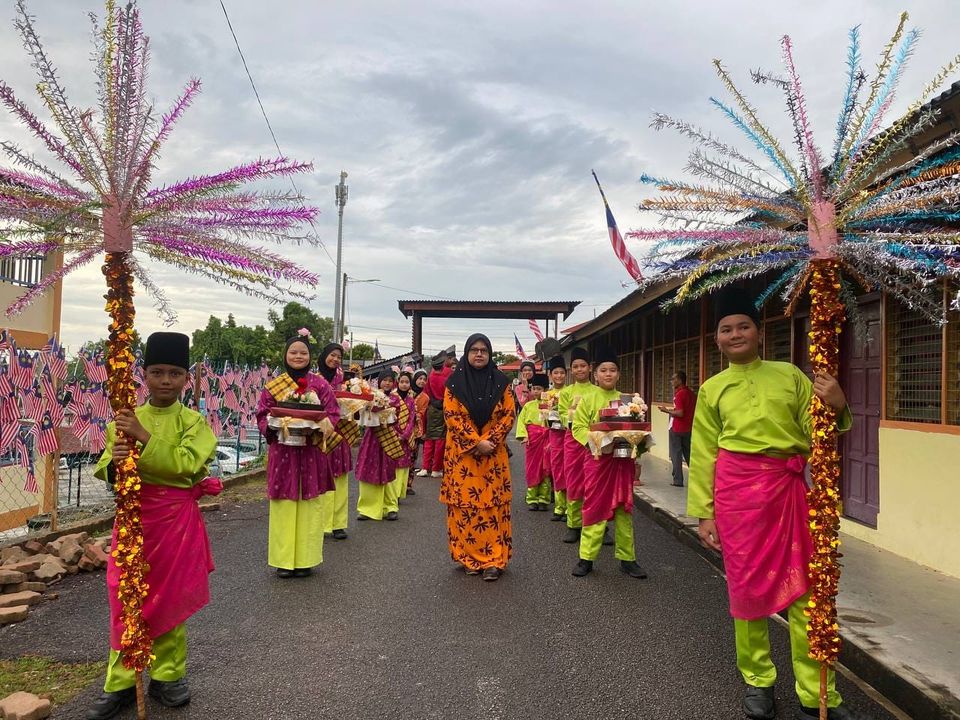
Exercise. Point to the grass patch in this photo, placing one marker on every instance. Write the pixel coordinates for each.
(59, 681)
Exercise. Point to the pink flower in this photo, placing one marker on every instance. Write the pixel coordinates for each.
(303, 332)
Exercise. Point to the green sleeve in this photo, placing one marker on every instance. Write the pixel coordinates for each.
(522, 419)
(564, 398)
(103, 464)
(186, 460)
(704, 447)
(583, 418)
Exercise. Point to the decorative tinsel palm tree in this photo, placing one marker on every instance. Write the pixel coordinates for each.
(822, 229)
(102, 201)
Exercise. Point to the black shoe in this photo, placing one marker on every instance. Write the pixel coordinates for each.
(533, 507)
(302, 572)
(492, 574)
(544, 507)
(363, 517)
(392, 515)
(758, 703)
(328, 535)
(110, 703)
(411, 491)
(572, 535)
(471, 571)
(584, 567)
(170, 694)
(339, 534)
(558, 518)
(607, 537)
(837, 713)
(631, 568)
(284, 573)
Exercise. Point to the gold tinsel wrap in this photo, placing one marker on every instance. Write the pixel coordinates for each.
(826, 321)
(135, 643)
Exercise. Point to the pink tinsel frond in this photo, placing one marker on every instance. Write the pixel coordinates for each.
(49, 281)
(258, 170)
(813, 156)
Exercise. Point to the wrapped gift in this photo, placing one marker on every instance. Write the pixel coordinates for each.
(612, 424)
(352, 403)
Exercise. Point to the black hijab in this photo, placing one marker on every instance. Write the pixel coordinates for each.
(328, 373)
(403, 393)
(478, 390)
(413, 382)
(302, 372)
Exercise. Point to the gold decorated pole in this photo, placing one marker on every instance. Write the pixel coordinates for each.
(826, 322)
(135, 642)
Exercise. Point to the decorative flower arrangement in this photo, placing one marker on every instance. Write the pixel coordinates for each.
(359, 386)
(636, 408)
(301, 394)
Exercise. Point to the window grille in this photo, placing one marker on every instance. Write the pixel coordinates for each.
(914, 361)
(776, 340)
(715, 362)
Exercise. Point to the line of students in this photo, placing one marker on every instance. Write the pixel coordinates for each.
(587, 491)
(751, 434)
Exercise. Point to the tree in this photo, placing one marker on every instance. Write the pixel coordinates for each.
(362, 351)
(502, 358)
(293, 317)
(226, 342)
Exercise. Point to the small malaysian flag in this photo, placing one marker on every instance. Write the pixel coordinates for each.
(535, 329)
(58, 360)
(9, 423)
(47, 440)
(520, 353)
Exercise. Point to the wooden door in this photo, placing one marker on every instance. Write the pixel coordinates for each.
(861, 379)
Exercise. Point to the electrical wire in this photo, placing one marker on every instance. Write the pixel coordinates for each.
(266, 119)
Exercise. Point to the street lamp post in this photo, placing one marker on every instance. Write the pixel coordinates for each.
(341, 196)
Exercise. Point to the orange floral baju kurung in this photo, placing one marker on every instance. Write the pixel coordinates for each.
(477, 489)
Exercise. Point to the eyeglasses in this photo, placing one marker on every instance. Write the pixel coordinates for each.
(479, 351)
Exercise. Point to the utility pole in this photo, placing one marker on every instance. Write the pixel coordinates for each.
(341, 195)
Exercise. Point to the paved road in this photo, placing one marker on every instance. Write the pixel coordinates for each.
(388, 628)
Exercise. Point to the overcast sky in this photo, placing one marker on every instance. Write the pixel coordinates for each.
(468, 131)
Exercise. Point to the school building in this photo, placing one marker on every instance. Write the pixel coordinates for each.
(901, 460)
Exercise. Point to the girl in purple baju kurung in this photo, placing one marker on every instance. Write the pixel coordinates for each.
(376, 470)
(340, 455)
(297, 477)
(405, 393)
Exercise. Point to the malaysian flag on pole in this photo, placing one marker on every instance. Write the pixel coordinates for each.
(520, 353)
(623, 255)
(535, 329)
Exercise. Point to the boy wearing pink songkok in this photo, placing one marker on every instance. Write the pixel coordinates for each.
(176, 445)
(751, 438)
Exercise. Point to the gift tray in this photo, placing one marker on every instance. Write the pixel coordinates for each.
(613, 424)
(353, 396)
(299, 411)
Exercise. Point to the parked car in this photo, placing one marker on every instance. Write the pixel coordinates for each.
(226, 458)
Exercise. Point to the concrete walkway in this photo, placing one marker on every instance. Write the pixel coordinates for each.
(900, 620)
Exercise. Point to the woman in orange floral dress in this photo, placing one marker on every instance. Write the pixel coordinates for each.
(479, 411)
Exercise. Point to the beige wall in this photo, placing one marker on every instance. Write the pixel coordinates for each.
(919, 498)
(660, 432)
(38, 317)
